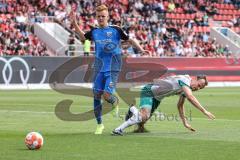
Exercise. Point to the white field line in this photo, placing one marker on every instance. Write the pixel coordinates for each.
(41, 112)
(18, 111)
(40, 105)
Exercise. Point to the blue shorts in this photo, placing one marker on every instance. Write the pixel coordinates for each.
(105, 82)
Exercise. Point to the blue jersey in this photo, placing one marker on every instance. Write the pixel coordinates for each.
(107, 47)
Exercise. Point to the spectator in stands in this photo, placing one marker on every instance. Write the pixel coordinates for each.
(211, 9)
(160, 51)
(87, 47)
(198, 19)
(178, 49)
(138, 5)
(51, 10)
(158, 6)
(227, 1)
(171, 6)
(188, 52)
(233, 22)
(15, 29)
(201, 5)
(205, 37)
(219, 50)
(205, 20)
(189, 8)
(238, 22)
(141, 18)
(226, 51)
(189, 24)
(71, 45)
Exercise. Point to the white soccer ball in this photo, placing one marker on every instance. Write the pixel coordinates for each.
(34, 140)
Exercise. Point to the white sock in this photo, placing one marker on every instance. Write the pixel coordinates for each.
(131, 121)
(134, 110)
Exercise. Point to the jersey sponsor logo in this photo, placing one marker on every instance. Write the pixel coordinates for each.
(109, 34)
(111, 84)
(109, 47)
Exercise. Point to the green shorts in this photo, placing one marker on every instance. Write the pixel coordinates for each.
(147, 99)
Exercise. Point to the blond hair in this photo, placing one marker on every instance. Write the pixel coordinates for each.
(101, 7)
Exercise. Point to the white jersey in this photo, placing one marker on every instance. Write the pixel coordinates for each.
(169, 86)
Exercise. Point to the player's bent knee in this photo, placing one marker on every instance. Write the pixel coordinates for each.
(145, 114)
(106, 96)
(144, 118)
(97, 95)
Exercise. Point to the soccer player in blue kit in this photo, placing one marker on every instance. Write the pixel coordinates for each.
(108, 60)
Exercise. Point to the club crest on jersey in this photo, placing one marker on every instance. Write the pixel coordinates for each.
(111, 84)
(109, 34)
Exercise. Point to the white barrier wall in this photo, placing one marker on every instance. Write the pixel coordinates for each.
(55, 37)
(226, 36)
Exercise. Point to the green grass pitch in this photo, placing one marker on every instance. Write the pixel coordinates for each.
(25, 111)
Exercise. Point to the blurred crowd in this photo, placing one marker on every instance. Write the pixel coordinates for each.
(142, 19)
(16, 37)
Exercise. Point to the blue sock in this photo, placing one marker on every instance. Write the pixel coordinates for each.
(98, 110)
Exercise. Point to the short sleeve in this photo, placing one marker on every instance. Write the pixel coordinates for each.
(122, 33)
(88, 35)
(181, 83)
(184, 80)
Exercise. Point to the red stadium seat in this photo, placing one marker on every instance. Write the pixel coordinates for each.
(235, 12)
(231, 6)
(206, 29)
(224, 6)
(174, 21)
(216, 17)
(225, 11)
(187, 16)
(194, 28)
(230, 12)
(165, 3)
(220, 11)
(174, 16)
(237, 29)
(223, 18)
(169, 15)
(224, 23)
(192, 16)
(182, 16)
(216, 5)
(182, 21)
(177, 16)
(229, 17)
(238, 13)
(179, 10)
(221, 6)
(197, 29)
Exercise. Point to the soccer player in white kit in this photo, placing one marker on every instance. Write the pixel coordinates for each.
(152, 94)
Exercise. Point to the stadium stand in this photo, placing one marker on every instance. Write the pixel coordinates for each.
(176, 28)
(16, 33)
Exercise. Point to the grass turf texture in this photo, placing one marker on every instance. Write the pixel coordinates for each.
(25, 111)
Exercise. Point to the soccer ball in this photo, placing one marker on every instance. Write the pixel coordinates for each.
(34, 140)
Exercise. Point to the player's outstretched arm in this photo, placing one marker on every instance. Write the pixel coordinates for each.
(195, 102)
(136, 44)
(182, 113)
(76, 26)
